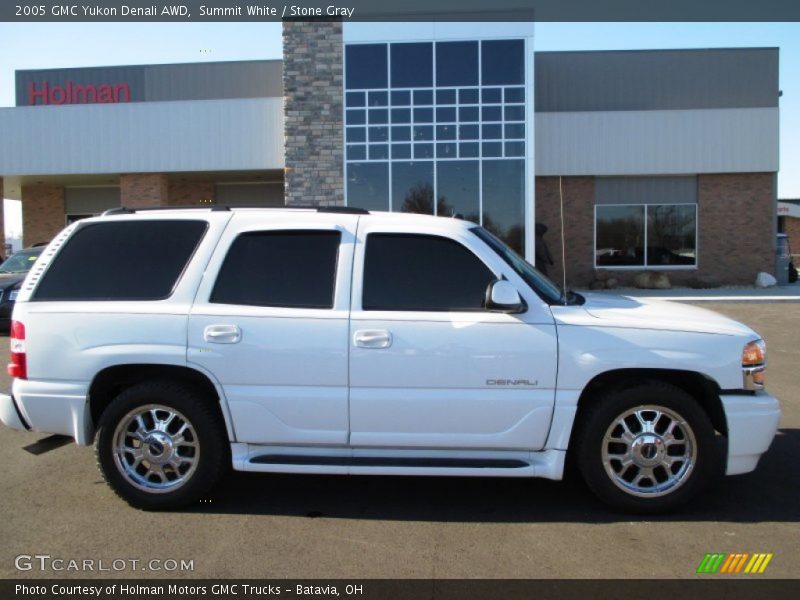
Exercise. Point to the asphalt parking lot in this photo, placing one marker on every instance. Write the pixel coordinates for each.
(261, 526)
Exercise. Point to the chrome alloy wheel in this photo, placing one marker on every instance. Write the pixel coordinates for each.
(156, 448)
(649, 451)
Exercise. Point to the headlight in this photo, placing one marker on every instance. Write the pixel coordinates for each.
(12, 297)
(754, 364)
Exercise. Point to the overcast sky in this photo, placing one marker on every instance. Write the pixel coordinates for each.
(52, 45)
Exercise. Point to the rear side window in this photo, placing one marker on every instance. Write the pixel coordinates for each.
(125, 260)
(290, 269)
(423, 273)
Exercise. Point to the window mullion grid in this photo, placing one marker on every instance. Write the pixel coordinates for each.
(390, 121)
(480, 133)
(435, 133)
(646, 214)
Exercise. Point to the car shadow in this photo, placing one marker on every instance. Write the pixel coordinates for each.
(768, 494)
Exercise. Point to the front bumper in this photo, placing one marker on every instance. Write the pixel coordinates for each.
(752, 422)
(48, 407)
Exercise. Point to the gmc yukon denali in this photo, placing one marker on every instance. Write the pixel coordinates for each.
(182, 342)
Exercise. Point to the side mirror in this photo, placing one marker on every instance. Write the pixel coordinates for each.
(501, 296)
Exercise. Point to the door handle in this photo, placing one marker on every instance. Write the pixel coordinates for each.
(222, 334)
(372, 338)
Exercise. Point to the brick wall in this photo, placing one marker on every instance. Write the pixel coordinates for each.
(182, 193)
(792, 230)
(735, 229)
(736, 215)
(141, 190)
(578, 225)
(312, 84)
(42, 213)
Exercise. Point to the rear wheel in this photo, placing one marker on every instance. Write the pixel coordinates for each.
(647, 448)
(160, 446)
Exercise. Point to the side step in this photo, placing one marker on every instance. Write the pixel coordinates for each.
(343, 460)
(389, 461)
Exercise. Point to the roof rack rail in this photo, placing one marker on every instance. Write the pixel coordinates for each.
(348, 210)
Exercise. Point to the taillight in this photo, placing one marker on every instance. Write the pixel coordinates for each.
(18, 366)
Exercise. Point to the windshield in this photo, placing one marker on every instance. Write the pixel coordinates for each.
(548, 290)
(21, 262)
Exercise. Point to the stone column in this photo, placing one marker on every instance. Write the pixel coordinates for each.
(43, 213)
(143, 190)
(313, 98)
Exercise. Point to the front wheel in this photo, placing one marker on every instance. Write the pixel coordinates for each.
(648, 448)
(160, 446)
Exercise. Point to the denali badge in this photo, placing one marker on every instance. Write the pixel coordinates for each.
(512, 382)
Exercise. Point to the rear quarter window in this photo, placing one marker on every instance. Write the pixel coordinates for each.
(126, 260)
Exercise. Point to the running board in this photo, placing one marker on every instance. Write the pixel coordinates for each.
(388, 461)
(342, 460)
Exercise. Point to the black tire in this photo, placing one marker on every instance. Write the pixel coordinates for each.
(202, 445)
(693, 450)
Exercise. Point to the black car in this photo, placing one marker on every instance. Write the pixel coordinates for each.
(12, 273)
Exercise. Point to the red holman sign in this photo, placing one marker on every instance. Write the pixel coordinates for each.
(70, 93)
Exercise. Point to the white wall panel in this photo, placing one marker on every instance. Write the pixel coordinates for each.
(198, 135)
(657, 142)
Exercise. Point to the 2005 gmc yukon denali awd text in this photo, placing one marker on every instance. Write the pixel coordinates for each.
(180, 342)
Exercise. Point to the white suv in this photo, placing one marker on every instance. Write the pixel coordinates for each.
(342, 341)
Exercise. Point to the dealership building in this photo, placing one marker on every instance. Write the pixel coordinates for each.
(659, 160)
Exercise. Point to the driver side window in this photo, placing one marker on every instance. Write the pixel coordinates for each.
(406, 272)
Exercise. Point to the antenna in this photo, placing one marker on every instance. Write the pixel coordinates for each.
(563, 244)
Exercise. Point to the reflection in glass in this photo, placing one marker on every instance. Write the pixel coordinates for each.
(491, 95)
(412, 65)
(366, 66)
(401, 134)
(423, 133)
(378, 151)
(423, 115)
(401, 98)
(378, 134)
(368, 185)
(503, 62)
(456, 63)
(493, 149)
(515, 148)
(401, 115)
(356, 152)
(401, 151)
(423, 150)
(504, 200)
(619, 236)
(445, 96)
(446, 150)
(355, 117)
(445, 132)
(423, 97)
(515, 94)
(354, 99)
(378, 98)
(468, 96)
(457, 183)
(356, 134)
(671, 234)
(412, 187)
(378, 116)
(468, 150)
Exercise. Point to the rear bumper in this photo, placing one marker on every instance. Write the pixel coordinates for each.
(10, 414)
(752, 422)
(48, 407)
